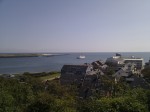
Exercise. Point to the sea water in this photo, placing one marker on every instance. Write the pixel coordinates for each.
(55, 63)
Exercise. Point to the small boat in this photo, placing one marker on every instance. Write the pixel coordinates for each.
(81, 57)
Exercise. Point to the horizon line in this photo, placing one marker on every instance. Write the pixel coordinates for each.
(82, 52)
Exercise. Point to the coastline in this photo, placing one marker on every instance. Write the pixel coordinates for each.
(40, 75)
(23, 55)
(53, 63)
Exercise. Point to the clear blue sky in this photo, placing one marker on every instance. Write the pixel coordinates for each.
(74, 25)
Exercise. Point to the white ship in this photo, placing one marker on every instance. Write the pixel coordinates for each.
(81, 57)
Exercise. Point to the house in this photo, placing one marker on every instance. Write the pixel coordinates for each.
(129, 74)
(136, 81)
(74, 74)
(147, 64)
(96, 65)
(83, 76)
(125, 71)
(99, 65)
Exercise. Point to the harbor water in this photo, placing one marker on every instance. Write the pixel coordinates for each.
(55, 63)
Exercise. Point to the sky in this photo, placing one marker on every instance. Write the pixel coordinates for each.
(74, 26)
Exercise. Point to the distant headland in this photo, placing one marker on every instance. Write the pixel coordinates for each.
(22, 55)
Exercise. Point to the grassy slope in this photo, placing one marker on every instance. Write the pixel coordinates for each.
(49, 77)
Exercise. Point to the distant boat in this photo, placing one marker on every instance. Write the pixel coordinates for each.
(81, 57)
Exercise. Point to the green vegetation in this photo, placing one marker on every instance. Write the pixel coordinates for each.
(29, 94)
(18, 55)
(34, 96)
(21, 55)
(44, 76)
(50, 77)
(146, 73)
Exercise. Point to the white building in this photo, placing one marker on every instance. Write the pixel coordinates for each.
(139, 62)
(119, 60)
(115, 60)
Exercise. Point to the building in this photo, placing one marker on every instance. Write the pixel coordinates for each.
(75, 74)
(147, 64)
(139, 62)
(125, 71)
(119, 61)
(100, 66)
(83, 76)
